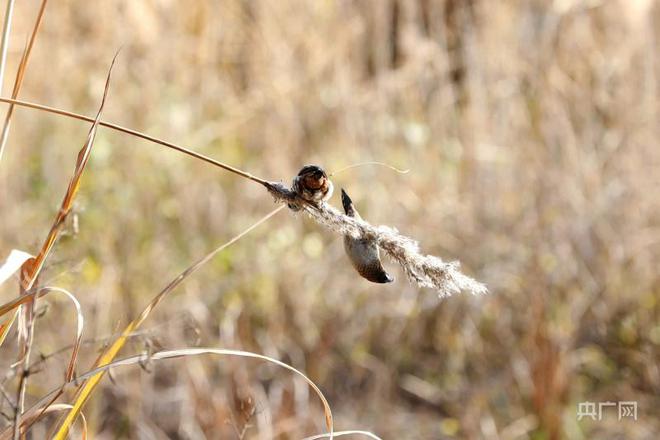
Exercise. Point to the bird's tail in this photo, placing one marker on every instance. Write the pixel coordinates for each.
(348, 204)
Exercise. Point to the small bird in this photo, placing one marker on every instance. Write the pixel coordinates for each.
(363, 253)
(312, 184)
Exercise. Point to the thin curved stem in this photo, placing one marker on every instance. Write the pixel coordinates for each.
(138, 134)
(383, 164)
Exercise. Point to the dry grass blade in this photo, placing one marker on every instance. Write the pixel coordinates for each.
(35, 413)
(14, 262)
(22, 299)
(57, 407)
(361, 164)
(20, 74)
(31, 297)
(4, 45)
(79, 326)
(83, 436)
(84, 392)
(31, 268)
(14, 304)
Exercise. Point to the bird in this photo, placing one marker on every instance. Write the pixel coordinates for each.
(363, 253)
(312, 184)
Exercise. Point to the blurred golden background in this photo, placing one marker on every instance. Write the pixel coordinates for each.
(530, 129)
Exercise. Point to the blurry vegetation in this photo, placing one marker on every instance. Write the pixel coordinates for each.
(531, 130)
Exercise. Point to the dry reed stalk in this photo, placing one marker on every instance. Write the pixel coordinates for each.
(179, 148)
(20, 74)
(4, 44)
(31, 268)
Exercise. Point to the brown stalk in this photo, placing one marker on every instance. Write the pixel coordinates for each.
(245, 174)
(4, 44)
(20, 74)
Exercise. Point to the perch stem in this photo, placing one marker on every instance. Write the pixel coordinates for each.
(138, 134)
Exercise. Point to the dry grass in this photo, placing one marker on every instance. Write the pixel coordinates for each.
(531, 132)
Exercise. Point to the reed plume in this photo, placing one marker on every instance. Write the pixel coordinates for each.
(422, 270)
